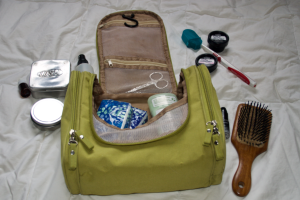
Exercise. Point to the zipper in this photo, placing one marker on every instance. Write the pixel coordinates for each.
(111, 62)
(212, 133)
(75, 134)
(121, 22)
(78, 134)
(140, 23)
(72, 139)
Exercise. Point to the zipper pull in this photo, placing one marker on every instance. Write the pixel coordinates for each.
(207, 139)
(84, 140)
(72, 156)
(218, 149)
(215, 129)
(72, 139)
(216, 138)
(110, 64)
(72, 151)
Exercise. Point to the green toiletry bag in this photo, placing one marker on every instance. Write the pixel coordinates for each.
(182, 147)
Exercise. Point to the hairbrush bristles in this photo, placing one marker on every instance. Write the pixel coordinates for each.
(254, 124)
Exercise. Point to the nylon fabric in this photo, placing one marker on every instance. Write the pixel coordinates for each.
(166, 154)
(72, 156)
(125, 168)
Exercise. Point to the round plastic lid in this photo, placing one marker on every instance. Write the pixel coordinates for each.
(47, 112)
(217, 41)
(209, 60)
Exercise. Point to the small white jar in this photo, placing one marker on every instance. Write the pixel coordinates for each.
(46, 114)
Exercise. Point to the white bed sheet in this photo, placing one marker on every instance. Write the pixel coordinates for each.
(264, 43)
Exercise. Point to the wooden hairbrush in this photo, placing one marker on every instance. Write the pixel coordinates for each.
(250, 137)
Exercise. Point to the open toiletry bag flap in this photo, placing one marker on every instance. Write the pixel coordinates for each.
(134, 61)
(182, 147)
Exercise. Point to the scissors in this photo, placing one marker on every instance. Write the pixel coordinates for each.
(154, 81)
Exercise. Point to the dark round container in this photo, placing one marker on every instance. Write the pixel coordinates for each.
(209, 60)
(217, 41)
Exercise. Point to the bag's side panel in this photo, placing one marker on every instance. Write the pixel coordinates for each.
(71, 176)
(220, 164)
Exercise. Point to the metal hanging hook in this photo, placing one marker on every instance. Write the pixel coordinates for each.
(131, 19)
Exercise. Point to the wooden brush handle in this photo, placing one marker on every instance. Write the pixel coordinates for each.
(241, 182)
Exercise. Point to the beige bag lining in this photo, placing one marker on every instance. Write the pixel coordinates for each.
(128, 79)
(110, 74)
(138, 101)
(139, 42)
(140, 16)
(136, 59)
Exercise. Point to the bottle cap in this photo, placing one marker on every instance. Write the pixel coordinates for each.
(81, 59)
(191, 39)
(217, 41)
(209, 60)
(23, 87)
(24, 90)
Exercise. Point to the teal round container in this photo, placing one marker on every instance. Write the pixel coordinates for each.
(159, 101)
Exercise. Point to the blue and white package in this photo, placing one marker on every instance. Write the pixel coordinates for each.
(139, 117)
(116, 113)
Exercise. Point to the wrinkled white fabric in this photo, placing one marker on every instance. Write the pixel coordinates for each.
(264, 44)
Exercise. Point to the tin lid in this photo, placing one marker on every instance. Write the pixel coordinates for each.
(47, 112)
(49, 75)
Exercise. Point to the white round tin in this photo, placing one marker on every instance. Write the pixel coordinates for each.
(46, 113)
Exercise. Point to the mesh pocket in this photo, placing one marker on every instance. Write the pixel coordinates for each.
(140, 42)
(119, 80)
(165, 125)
